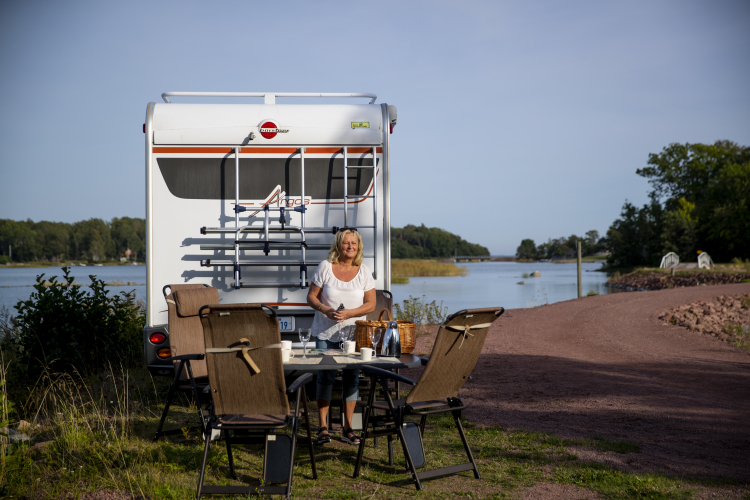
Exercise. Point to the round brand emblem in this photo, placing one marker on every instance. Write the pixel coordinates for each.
(268, 130)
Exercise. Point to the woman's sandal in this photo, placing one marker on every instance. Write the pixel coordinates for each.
(350, 437)
(323, 436)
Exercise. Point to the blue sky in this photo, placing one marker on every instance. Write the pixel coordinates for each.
(516, 119)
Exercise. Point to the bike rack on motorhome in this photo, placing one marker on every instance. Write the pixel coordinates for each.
(227, 188)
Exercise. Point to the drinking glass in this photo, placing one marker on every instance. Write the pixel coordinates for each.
(377, 334)
(304, 337)
(345, 334)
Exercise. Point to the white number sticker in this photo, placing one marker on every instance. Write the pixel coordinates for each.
(286, 323)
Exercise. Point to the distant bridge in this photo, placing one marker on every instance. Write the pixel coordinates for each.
(472, 258)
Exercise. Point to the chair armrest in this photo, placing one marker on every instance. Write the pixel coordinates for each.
(424, 361)
(186, 357)
(302, 380)
(379, 372)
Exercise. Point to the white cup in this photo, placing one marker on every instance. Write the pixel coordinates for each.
(366, 353)
(286, 344)
(350, 346)
(286, 355)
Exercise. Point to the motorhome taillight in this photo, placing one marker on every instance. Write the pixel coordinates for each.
(157, 338)
(144, 128)
(164, 353)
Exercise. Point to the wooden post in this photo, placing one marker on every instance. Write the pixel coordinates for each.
(580, 285)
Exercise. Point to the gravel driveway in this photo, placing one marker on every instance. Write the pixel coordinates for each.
(607, 366)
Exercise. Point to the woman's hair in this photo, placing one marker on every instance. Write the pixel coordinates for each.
(335, 252)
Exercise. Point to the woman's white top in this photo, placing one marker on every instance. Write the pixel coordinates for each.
(334, 293)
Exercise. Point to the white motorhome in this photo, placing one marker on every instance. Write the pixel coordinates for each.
(248, 197)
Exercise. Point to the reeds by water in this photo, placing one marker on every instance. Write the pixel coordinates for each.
(419, 267)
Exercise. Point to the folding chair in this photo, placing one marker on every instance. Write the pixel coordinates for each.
(250, 405)
(186, 344)
(457, 347)
(384, 300)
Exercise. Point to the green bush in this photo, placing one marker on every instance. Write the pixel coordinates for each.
(418, 311)
(75, 330)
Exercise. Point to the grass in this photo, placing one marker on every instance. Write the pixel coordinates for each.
(100, 433)
(418, 267)
(742, 333)
(399, 280)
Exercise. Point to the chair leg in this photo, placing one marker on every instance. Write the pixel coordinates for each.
(228, 439)
(203, 464)
(196, 397)
(309, 433)
(398, 418)
(457, 418)
(295, 429)
(170, 395)
(390, 449)
(422, 424)
(365, 424)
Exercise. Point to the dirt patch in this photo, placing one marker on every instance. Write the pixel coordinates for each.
(609, 367)
(726, 317)
(639, 280)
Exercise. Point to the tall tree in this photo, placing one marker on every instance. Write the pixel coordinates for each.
(635, 239)
(715, 180)
(527, 250)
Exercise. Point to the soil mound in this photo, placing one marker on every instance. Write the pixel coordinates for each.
(726, 317)
(641, 281)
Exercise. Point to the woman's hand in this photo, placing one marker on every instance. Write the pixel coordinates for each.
(342, 314)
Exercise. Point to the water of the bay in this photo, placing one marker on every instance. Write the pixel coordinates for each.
(16, 283)
(487, 284)
(492, 284)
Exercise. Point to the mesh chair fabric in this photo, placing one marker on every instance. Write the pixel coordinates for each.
(186, 331)
(382, 302)
(453, 357)
(235, 389)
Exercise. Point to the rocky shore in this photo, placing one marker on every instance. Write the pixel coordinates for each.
(640, 281)
(726, 318)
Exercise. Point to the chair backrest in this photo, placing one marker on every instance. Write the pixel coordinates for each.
(454, 355)
(235, 387)
(185, 329)
(384, 301)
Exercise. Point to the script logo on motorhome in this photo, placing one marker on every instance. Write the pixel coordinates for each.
(269, 129)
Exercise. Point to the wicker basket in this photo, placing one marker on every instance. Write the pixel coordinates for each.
(364, 329)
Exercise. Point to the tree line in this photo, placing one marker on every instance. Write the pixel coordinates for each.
(96, 240)
(561, 248)
(90, 240)
(699, 202)
(420, 242)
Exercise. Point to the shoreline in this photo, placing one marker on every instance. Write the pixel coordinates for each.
(43, 265)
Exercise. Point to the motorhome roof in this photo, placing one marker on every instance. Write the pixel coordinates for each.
(295, 124)
(270, 97)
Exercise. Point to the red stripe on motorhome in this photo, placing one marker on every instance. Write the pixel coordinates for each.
(261, 150)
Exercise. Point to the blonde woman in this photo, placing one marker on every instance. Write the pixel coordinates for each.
(342, 279)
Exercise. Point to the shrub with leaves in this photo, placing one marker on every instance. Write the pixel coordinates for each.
(419, 311)
(62, 325)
